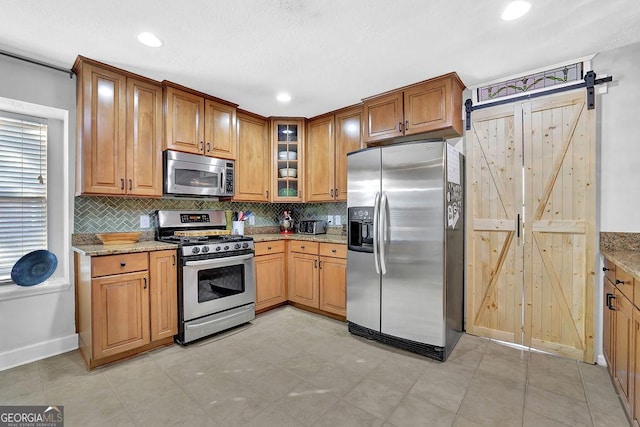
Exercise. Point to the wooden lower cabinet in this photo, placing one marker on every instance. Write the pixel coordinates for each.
(333, 285)
(271, 280)
(623, 354)
(608, 320)
(316, 280)
(125, 304)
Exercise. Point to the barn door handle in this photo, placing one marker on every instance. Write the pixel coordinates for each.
(609, 298)
(518, 225)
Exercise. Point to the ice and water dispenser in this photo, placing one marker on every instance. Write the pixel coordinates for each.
(360, 229)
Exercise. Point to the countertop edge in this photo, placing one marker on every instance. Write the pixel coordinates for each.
(145, 246)
(322, 238)
(628, 260)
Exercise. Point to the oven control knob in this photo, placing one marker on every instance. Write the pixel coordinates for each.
(218, 248)
(226, 248)
(245, 245)
(195, 250)
(205, 249)
(237, 246)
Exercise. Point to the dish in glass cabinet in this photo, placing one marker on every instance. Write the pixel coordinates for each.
(34, 268)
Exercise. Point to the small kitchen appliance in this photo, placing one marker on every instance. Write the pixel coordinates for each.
(188, 174)
(216, 279)
(312, 226)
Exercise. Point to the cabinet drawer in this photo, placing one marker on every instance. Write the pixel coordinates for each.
(304, 247)
(624, 282)
(118, 264)
(609, 270)
(265, 248)
(335, 250)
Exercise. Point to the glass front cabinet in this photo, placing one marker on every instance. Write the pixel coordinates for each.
(288, 150)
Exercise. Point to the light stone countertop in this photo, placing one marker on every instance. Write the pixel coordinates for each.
(628, 260)
(144, 246)
(323, 238)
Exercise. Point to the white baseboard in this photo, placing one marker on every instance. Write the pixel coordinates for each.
(42, 350)
(601, 360)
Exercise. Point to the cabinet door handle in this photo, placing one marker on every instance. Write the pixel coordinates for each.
(122, 183)
(123, 264)
(406, 125)
(609, 298)
(302, 247)
(619, 282)
(331, 193)
(399, 126)
(315, 263)
(606, 269)
(174, 259)
(333, 251)
(208, 147)
(201, 146)
(145, 283)
(336, 192)
(267, 193)
(268, 248)
(130, 184)
(320, 265)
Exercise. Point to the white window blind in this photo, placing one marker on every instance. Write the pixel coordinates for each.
(23, 189)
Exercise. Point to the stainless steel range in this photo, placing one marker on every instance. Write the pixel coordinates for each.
(216, 282)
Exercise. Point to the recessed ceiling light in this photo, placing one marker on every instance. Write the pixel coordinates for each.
(515, 10)
(149, 39)
(283, 97)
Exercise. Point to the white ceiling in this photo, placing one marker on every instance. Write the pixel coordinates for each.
(327, 53)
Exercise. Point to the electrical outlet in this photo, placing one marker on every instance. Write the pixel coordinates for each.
(330, 219)
(337, 220)
(144, 221)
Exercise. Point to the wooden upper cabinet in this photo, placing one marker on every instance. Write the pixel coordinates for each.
(384, 117)
(220, 130)
(348, 139)
(119, 121)
(102, 130)
(198, 123)
(287, 148)
(253, 164)
(320, 159)
(184, 121)
(144, 138)
(329, 139)
(432, 107)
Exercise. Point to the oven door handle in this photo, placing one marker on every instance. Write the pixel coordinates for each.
(217, 261)
(200, 325)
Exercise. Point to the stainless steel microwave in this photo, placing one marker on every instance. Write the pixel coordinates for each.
(188, 174)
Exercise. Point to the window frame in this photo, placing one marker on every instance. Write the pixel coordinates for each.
(62, 280)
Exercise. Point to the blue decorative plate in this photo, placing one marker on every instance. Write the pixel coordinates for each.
(34, 268)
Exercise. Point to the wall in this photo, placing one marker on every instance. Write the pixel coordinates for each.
(618, 115)
(33, 327)
(618, 153)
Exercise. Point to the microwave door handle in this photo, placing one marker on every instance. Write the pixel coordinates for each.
(221, 180)
(376, 220)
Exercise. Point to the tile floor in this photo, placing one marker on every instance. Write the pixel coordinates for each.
(292, 368)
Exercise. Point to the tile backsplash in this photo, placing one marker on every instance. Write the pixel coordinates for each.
(100, 214)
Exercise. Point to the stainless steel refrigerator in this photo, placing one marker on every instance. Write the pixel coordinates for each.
(405, 261)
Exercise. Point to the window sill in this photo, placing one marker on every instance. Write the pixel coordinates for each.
(13, 291)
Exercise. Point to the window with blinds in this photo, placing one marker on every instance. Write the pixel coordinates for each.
(23, 189)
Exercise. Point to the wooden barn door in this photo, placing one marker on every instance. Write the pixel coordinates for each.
(559, 267)
(532, 165)
(494, 250)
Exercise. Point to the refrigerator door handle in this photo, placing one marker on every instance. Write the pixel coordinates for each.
(376, 236)
(383, 233)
